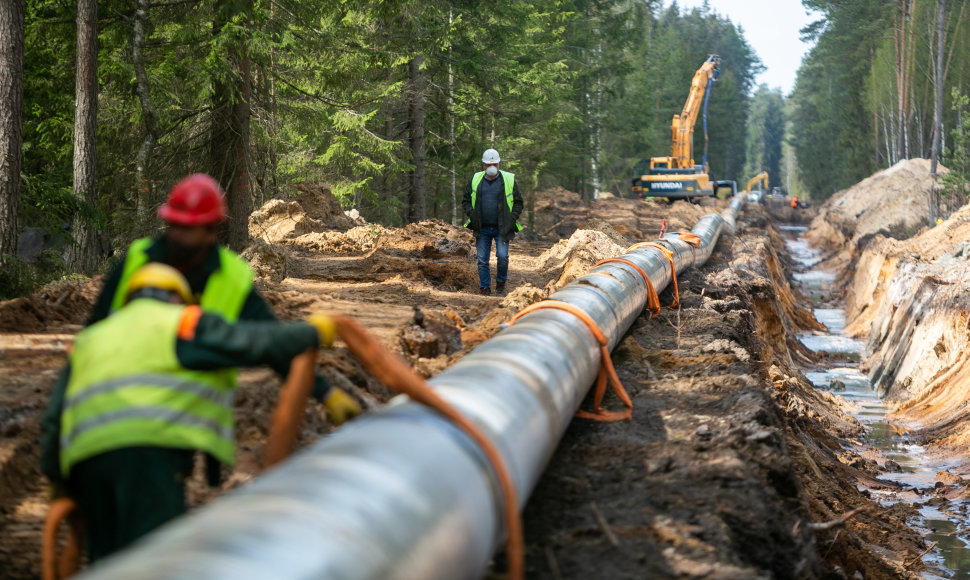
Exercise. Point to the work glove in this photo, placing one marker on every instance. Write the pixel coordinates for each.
(341, 406)
(326, 328)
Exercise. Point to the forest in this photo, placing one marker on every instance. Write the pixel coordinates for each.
(868, 92)
(109, 102)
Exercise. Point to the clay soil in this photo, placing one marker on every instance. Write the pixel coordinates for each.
(730, 468)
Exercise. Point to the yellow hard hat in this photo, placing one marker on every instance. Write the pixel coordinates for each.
(162, 277)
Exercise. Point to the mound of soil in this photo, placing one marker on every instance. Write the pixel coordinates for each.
(355, 240)
(559, 213)
(58, 303)
(893, 203)
(314, 210)
(320, 204)
(279, 220)
(267, 260)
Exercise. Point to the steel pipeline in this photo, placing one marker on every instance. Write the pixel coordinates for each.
(400, 493)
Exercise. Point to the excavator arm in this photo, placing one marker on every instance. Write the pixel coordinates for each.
(762, 177)
(682, 127)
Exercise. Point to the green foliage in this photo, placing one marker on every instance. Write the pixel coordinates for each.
(956, 182)
(571, 92)
(18, 278)
(766, 133)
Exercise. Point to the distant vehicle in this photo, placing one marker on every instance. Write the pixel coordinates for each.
(676, 176)
(725, 189)
(756, 195)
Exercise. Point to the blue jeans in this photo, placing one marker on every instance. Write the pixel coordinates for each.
(484, 244)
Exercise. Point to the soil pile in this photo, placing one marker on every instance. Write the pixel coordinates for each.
(314, 210)
(893, 203)
(320, 204)
(55, 305)
(559, 212)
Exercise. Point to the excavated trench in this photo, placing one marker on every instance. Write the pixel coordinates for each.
(907, 473)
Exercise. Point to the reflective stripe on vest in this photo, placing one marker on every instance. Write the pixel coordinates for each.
(225, 291)
(127, 389)
(508, 180)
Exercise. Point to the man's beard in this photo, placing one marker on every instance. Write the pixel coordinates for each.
(180, 254)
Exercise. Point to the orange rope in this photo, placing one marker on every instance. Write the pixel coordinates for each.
(390, 369)
(606, 365)
(670, 258)
(653, 301)
(290, 407)
(52, 567)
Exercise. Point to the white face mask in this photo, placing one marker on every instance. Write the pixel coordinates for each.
(491, 171)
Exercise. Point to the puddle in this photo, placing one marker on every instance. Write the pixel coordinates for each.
(944, 523)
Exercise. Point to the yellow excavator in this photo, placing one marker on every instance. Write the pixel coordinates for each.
(757, 195)
(676, 176)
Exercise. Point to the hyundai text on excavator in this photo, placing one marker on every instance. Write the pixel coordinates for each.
(676, 176)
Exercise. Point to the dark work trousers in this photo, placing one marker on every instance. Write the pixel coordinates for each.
(484, 246)
(126, 493)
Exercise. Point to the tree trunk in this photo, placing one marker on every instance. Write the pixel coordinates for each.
(149, 115)
(938, 108)
(418, 209)
(11, 120)
(451, 131)
(83, 253)
(229, 136)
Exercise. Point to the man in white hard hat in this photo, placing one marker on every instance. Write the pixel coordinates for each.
(492, 203)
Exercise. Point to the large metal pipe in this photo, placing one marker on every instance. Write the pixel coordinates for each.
(400, 492)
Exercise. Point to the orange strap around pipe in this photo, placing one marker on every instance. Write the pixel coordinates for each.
(390, 369)
(670, 258)
(607, 371)
(690, 238)
(653, 301)
(290, 407)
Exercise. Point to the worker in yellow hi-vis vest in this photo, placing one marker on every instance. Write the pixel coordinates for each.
(147, 388)
(220, 281)
(492, 204)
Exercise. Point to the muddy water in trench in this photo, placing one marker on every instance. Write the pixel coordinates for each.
(943, 522)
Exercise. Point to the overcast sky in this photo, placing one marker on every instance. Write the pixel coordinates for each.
(771, 28)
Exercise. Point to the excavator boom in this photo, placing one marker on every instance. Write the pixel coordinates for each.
(682, 127)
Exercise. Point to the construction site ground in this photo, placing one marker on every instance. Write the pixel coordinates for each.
(733, 466)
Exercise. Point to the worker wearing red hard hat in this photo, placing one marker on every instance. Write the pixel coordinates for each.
(143, 391)
(220, 281)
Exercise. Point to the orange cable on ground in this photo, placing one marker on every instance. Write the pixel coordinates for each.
(653, 300)
(52, 567)
(391, 370)
(670, 258)
(606, 365)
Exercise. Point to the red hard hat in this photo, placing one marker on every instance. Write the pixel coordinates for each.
(196, 200)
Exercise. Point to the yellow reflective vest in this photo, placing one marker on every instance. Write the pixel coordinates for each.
(128, 389)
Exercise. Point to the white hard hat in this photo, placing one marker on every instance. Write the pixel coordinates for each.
(490, 156)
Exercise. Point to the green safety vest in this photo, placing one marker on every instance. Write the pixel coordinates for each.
(225, 291)
(128, 389)
(507, 178)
